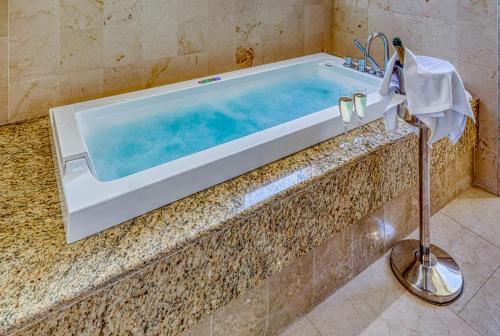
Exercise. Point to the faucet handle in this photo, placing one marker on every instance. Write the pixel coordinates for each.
(362, 65)
(348, 63)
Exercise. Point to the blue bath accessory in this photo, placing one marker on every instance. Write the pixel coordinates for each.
(209, 80)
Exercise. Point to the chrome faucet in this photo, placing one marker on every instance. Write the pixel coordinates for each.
(369, 42)
(375, 68)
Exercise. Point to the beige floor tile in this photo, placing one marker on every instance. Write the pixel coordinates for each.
(374, 303)
(358, 303)
(302, 327)
(479, 211)
(477, 258)
(483, 311)
(409, 316)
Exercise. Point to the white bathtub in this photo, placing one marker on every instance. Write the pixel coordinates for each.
(92, 203)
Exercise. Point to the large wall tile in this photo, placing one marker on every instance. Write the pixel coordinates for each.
(486, 166)
(33, 57)
(221, 7)
(122, 12)
(4, 23)
(384, 5)
(281, 23)
(159, 29)
(317, 18)
(351, 17)
(488, 127)
(187, 10)
(80, 50)
(121, 45)
(477, 44)
(247, 27)
(411, 30)
(233, 58)
(273, 51)
(4, 113)
(174, 69)
(77, 87)
(4, 57)
(480, 81)
(440, 38)
(32, 99)
(192, 36)
(81, 14)
(442, 9)
(381, 19)
(122, 79)
(221, 33)
(158, 72)
(483, 12)
(221, 60)
(342, 44)
(316, 43)
(33, 17)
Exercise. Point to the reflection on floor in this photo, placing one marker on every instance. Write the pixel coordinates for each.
(374, 303)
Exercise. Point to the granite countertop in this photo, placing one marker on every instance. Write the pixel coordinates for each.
(40, 273)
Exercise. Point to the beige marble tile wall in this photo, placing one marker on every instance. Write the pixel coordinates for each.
(55, 52)
(462, 31)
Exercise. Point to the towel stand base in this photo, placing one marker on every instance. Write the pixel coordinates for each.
(424, 269)
(439, 281)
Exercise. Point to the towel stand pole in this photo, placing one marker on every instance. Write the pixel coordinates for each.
(424, 269)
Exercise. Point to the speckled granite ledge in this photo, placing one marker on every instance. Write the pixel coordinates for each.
(41, 275)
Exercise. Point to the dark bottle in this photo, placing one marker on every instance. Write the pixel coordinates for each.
(398, 44)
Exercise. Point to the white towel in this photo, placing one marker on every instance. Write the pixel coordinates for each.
(388, 90)
(435, 94)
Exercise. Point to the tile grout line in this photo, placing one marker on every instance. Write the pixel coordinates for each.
(314, 326)
(477, 291)
(471, 326)
(469, 229)
(494, 271)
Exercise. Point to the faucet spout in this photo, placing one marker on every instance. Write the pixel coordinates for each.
(370, 58)
(385, 42)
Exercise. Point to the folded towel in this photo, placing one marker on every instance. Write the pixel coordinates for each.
(435, 95)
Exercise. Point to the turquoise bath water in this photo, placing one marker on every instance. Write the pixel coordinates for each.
(148, 133)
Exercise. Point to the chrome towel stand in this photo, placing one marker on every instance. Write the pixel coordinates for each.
(424, 269)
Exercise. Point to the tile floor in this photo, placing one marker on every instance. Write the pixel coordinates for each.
(374, 303)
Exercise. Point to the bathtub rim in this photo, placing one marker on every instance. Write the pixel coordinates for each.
(83, 193)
